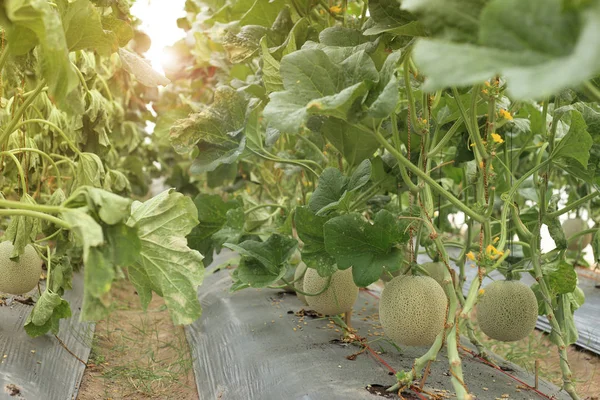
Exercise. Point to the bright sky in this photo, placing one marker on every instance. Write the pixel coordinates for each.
(159, 21)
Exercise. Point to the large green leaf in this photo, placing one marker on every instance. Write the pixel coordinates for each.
(537, 45)
(263, 263)
(310, 230)
(166, 264)
(388, 17)
(35, 22)
(353, 143)
(576, 143)
(365, 247)
(314, 85)
(83, 28)
(217, 131)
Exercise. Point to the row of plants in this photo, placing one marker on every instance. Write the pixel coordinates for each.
(339, 137)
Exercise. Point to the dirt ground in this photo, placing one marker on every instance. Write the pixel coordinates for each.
(137, 354)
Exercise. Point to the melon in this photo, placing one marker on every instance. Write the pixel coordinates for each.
(507, 310)
(20, 276)
(412, 310)
(338, 298)
(573, 226)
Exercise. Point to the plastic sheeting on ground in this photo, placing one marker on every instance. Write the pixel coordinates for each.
(252, 345)
(40, 368)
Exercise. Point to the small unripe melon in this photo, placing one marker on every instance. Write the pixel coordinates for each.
(299, 283)
(507, 310)
(22, 276)
(436, 270)
(412, 310)
(573, 226)
(338, 298)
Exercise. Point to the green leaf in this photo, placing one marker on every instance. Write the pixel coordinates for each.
(243, 44)
(165, 259)
(212, 215)
(388, 17)
(83, 28)
(217, 131)
(263, 263)
(36, 22)
(310, 230)
(384, 97)
(89, 171)
(85, 228)
(46, 314)
(110, 208)
(576, 143)
(561, 277)
(141, 69)
(354, 144)
(450, 19)
(314, 85)
(330, 189)
(366, 248)
(22, 230)
(536, 45)
(270, 69)
(360, 176)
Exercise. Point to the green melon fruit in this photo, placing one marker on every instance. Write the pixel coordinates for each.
(338, 298)
(299, 284)
(22, 276)
(436, 270)
(507, 310)
(412, 310)
(573, 226)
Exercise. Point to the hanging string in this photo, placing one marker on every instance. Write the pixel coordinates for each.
(510, 221)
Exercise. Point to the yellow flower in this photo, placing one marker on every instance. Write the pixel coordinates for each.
(484, 91)
(497, 138)
(470, 256)
(505, 114)
(481, 164)
(492, 252)
(335, 9)
(481, 291)
(496, 239)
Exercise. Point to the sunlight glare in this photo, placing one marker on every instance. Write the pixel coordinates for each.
(159, 21)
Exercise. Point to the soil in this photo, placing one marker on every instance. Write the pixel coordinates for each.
(138, 354)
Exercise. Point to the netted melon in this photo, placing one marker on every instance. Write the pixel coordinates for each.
(507, 310)
(299, 284)
(338, 298)
(573, 226)
(21, 276)
(412, 310)
(436, 270)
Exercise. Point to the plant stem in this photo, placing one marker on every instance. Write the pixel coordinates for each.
(411, 100)
(19, 169)
(56, 128)
(41, 153)
(507, 198)
(310, 294)
(473, 130)
(573, 205)
(10, 128)
(562, 348)
(447, 137)
(35, 214)
(31, 207)
(4, 55)
(426, 178)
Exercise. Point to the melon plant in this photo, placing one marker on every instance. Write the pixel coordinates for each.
(338, 298)
(507, 310)
(573, 226)
(412, 310)
(22, 275)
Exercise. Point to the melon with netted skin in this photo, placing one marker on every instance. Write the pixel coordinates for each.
(412, 310)
(573, 226)
(338, 298)
(507, 310)
(299, 283)
(436, 270)
(20, 276)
